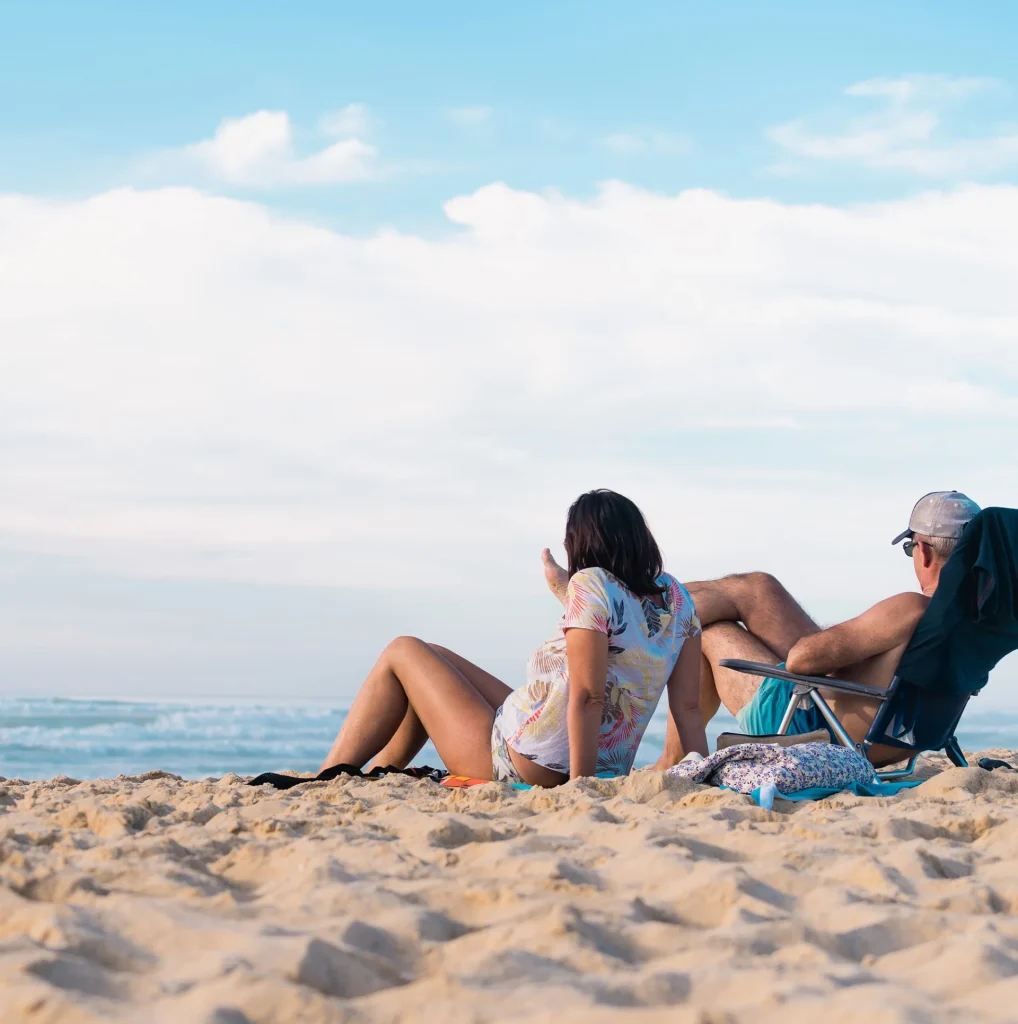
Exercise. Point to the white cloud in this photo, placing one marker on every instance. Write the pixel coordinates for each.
(907, 133)
(258, 150)
(645, 141)
(193, 385)
(353, 119)
(921, 87)
(470, 117)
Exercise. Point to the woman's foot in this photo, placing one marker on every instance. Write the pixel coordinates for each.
(556, 577)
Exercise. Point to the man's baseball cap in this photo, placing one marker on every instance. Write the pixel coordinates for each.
(940, 514)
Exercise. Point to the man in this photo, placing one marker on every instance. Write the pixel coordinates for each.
(753, 617)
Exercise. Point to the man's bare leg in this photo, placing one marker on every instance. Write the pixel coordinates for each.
(555, 576)
(730, 640)
(773, 621)
(710, 702)
(760, 603)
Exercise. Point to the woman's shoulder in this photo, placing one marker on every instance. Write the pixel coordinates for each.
(598, 580)
(679, 595)
(682, 601)
(602, 579)
(594, 578)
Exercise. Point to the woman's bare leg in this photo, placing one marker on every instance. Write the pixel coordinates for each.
(411, 734)
(453, 711)
(405, 745)
(491, 688)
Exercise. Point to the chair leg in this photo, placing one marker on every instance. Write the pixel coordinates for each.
(953, 751)
(899, 773)
(832, 720)
(786, 721)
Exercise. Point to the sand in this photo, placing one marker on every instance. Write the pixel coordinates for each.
(645, 899)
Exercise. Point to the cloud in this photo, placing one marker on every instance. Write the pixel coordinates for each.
(921, 87)
(196, 386)
(645, 141)
(353, 119)
(907, 133)
(258, 150)
(470, 117)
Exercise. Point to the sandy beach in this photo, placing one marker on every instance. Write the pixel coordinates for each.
(642, 899)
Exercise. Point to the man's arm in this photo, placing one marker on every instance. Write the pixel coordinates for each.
(884, 626)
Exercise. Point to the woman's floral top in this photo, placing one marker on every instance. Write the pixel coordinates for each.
(643, 645)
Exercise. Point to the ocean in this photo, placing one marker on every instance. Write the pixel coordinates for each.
(86, 739)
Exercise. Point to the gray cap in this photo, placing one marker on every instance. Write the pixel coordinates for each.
(940, 514)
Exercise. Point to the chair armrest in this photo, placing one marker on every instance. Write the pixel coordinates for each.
(758, 668)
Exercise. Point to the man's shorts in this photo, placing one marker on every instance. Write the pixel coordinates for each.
(762, 715)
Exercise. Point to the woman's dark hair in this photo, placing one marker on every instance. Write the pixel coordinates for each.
(604, 530)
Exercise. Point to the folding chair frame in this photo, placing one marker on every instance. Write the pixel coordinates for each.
(806, 691)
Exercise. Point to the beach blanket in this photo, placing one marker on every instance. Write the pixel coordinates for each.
(767, 794)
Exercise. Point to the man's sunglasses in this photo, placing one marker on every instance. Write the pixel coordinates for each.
(909, 546)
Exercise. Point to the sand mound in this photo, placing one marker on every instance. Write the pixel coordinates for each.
(645, 899)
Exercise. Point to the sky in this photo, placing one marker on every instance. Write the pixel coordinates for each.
(314, 321)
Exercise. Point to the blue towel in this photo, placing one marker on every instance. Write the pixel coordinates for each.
(858, 788)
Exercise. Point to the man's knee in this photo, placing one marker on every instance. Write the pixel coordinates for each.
(718, 633)
(761, 584)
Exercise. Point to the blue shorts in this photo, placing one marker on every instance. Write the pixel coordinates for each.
(762, 715)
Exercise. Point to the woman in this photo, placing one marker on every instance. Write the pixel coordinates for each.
(628, 631)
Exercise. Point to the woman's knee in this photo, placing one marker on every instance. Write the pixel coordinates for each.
(404, 646)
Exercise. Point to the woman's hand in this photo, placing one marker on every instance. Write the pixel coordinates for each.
(587, 658)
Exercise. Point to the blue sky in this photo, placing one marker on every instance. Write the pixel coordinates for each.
(314, 320)
(92, 87)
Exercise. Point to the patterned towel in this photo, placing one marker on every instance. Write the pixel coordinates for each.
(749, 766)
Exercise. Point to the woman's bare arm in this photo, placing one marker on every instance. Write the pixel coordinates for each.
(587, 657)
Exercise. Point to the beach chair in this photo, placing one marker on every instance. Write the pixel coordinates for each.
(970, 624)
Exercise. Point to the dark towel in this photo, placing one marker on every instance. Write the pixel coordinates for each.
(289, 781)
(994, 567)
(972, 619)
